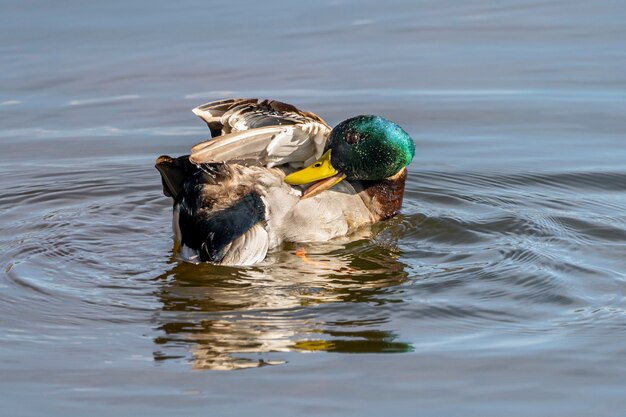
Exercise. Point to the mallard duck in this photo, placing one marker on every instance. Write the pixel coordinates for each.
(243, 192)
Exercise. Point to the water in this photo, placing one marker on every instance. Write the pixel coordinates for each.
(498, 291)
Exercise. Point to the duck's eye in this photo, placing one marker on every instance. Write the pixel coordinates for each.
(353, 137)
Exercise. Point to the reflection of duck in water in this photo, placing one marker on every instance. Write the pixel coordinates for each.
(239, 318)
(233, 202)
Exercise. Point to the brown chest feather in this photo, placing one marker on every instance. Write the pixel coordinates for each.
(383, 198)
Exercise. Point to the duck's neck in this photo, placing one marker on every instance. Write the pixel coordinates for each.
(383, 197)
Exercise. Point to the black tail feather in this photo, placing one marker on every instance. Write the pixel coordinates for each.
(174, 172)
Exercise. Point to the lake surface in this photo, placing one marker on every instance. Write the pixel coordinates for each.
(499, 290)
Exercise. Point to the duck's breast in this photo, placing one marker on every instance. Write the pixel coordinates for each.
(333, 213)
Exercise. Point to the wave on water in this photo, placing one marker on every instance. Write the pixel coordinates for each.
(471, 250)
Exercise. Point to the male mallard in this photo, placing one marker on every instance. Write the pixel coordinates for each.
(239, 195)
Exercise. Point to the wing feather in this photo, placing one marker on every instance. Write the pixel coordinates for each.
(249, 248)
(212, 112)
(248, 113)
(265, 133)
(235, 147)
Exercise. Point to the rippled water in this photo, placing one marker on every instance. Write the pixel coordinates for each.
(498, 291)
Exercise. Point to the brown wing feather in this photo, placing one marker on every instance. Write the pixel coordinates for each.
(265, 133)
(236, 115)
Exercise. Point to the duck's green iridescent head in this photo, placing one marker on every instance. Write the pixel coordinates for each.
(360, 148)
(369, 148)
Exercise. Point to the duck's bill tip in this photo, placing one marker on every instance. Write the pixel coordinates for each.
(322, 185)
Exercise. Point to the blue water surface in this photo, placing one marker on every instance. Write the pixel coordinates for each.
(499, 290)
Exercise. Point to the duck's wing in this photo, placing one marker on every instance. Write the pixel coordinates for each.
(266, 133)
(239, 114)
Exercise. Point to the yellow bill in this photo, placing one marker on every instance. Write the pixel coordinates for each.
(321, 172)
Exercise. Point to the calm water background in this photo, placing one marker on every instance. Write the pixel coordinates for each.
(500, 290)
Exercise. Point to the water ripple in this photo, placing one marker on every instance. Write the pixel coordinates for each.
(470, 250)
